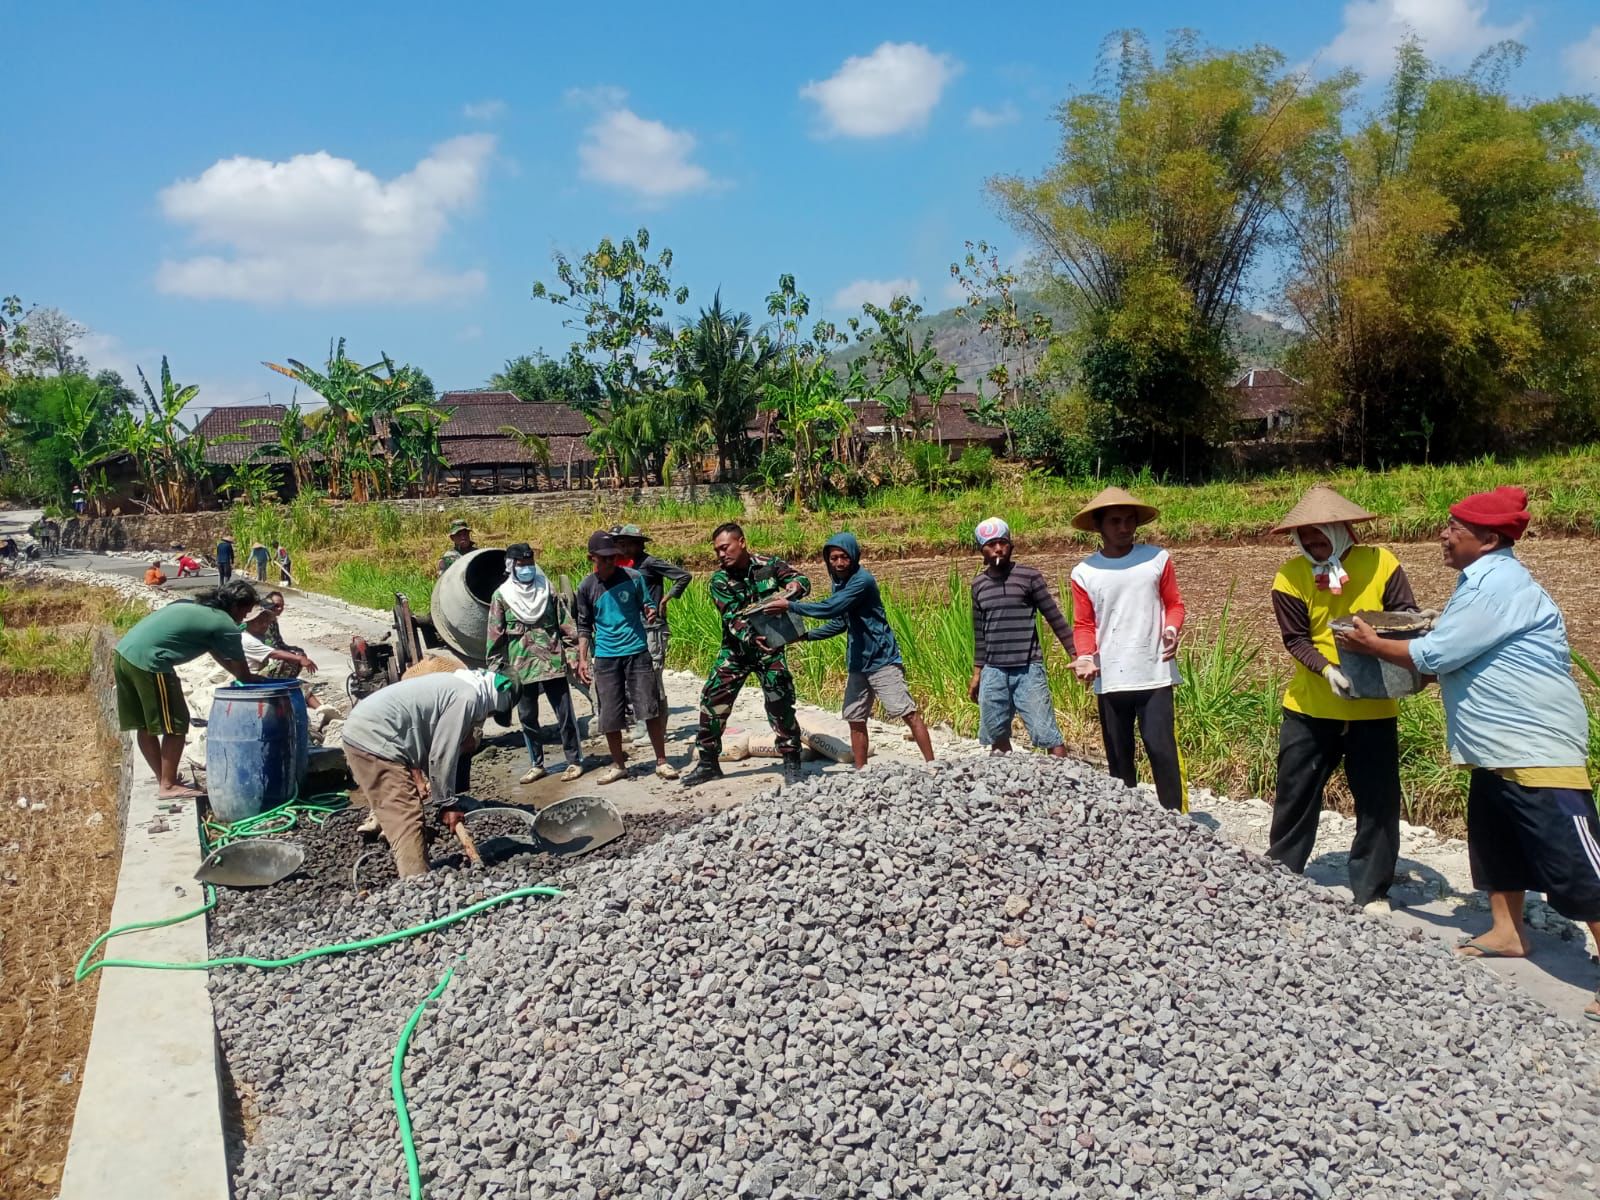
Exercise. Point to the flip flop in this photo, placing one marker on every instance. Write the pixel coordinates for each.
(1472, 948)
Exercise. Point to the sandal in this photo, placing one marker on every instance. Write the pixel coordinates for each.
(1592, 1013)
(1472, 948)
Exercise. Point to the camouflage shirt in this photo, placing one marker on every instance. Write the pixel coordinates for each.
(450, 557)
(733, 592)
(530, 653)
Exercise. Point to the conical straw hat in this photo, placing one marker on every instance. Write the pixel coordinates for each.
(1322, 506)
(1113, 497)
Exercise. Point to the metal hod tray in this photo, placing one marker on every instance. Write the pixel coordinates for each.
(1373, 678)
(251, 862)
(575, 825)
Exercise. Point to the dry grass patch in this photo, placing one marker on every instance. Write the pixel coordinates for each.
(58, 874)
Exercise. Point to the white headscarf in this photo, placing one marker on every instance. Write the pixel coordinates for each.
(1329, 573)
(483, 701)
(527, 601)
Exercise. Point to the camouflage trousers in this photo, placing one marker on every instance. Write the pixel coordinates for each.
(722, 689)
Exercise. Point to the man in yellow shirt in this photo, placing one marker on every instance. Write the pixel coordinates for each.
(1331, 577)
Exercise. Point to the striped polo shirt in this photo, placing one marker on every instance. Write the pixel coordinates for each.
(1006, 603)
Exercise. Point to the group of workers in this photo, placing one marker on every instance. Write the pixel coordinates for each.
(1498, 651)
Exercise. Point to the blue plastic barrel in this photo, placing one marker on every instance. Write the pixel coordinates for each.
(302, 721)
(251, 749)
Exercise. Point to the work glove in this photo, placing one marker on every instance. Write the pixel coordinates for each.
(1338, 681)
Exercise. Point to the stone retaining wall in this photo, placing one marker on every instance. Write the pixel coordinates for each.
(200, 531)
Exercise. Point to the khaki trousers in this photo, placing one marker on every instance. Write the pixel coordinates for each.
(395, 801)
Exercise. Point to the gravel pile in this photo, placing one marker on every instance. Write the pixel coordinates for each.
(996, 977)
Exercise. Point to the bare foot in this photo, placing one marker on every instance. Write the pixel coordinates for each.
(1482, 947)
(180, 791)
(1593, 1010)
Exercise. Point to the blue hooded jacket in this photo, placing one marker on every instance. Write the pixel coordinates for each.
(854, 607)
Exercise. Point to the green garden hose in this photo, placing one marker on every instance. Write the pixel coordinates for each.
(85, 968)
(397, 1088)
(314, 810)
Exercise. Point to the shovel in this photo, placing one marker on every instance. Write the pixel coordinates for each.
(251, 862)
(572, 826)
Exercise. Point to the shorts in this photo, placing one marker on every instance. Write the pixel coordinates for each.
(887, 685)
(1526, 839)
(623, 684)
(149, 701)
(1007, 692)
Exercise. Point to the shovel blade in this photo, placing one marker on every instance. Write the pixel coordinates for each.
(578, 825)
(252, 862)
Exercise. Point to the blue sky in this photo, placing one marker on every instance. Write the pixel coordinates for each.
(232, 183)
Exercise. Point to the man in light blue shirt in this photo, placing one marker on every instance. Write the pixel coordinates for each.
(1514, 715)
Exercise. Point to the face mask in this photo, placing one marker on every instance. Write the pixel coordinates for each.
(525, 574)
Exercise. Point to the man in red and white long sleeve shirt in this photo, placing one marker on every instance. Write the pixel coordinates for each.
(1126, 619)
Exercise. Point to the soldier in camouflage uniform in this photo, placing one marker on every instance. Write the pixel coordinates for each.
(745, 580)
(460, 546)
(530, 640)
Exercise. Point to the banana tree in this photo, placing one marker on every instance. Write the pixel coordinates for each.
(170, 454)
(294, 444)
(538, 448)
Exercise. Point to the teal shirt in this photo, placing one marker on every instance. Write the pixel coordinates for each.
(179, 633)
(611, 615)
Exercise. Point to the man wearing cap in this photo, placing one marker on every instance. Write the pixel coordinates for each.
(529, 641)
(460, 546)
(1008, 678)
(1514, 716)
(612, 607)
(1127, 615)
(1329, 578)
(742, 583)
(403, 744)
(665, 580)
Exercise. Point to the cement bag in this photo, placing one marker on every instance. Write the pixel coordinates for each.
(764, 745)
(433, 663)
(828, 746)
(735, 746)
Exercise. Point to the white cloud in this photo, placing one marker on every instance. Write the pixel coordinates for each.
(484, 110)
(321, 230)
(992, 118)
(470, 333)
(1582, 60)
(623, 150)
(891, 90)
(877, 291)
(1448, 29)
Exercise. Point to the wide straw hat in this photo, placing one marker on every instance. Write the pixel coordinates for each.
(1113, 497)
(1322, 506)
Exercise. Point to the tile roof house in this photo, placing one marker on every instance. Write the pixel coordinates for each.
(473, 442)
(1266, 400)
(234, 433)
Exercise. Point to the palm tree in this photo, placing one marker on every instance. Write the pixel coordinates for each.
(722, 353)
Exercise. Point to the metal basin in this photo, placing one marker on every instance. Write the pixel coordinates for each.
(251, 862)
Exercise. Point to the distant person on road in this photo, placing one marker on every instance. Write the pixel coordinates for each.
(280, 556)
(1513, 714)
(1127, 616)
(150, 701)
(529, 641)
(611, 611)
(666, 582)
(742, 583)
(188, 566)
(404, 742)
(80, 502)
(225, 558)
(1323, 725)
(461, 545)
(272, 662)
(1008, 678)
(154, 576)
(258, 560)
(872, 654)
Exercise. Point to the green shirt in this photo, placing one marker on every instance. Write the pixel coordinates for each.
(178, 633)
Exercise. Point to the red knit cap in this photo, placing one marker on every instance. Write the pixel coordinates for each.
(1504, 510)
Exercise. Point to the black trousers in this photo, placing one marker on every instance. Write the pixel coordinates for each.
(1152, 710)
(1309, 750)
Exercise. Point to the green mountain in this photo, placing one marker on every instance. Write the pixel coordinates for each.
(1258, 341)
